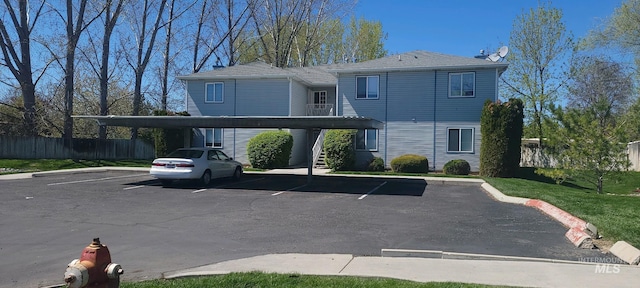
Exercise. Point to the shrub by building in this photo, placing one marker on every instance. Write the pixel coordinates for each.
(501, 128)
(457, 167)
(270, 149)
(376, 165)
(410, 163)
(339, 149)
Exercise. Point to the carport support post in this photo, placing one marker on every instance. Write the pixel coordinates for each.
(309, 155)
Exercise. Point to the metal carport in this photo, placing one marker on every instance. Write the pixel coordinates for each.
(292, 122)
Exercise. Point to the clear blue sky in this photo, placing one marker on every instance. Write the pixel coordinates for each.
(463, 27)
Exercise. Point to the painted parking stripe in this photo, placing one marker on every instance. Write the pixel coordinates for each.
(242, 182)
(198, 191)
(294, 188)
(95, 180)
(133, 187)
(372, 190)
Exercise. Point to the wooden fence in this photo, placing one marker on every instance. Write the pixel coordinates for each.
(12, 147)
(531, 155)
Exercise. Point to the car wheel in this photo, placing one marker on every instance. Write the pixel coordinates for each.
(166, 182)
(237, 174)
(206, 178)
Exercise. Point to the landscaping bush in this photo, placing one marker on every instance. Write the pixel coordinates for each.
(376, 165)
(410, 163)
(339, 149)
(457, 167)
(501, 129)
(270, 149)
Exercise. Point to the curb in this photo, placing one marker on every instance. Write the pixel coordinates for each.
(626, 252)
(577, 226)
(435, 254)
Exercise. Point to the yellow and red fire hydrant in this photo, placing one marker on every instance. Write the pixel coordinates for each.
(93, 269)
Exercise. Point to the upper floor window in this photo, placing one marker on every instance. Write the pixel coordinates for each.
(213, 137)
(214, 92)
(460, 140)
(320, 97)
(367, 87)
(367, 140)
(462, 84)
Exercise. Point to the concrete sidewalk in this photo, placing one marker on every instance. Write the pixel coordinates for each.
(490, 272)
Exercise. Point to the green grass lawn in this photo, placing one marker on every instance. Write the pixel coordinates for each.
(8, 166)
(615, 212)
(255, 280)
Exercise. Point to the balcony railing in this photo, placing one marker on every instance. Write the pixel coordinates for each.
(320, 110)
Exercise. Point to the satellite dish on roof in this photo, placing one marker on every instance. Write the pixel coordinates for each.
(495, 57)
(503, 51)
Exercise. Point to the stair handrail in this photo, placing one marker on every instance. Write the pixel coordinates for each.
(317, 146)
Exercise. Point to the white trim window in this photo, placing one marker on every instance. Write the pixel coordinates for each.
(367, 140)
(462, 84)
(320, 98)
(367, 87)
(213, 137)
(214, 92)
(460, 140)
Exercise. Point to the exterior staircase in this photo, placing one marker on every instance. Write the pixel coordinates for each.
(320, 162)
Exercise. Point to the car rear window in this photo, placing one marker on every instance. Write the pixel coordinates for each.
(189, 154)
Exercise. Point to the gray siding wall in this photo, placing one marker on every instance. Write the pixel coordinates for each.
(350, 106)
(265, 97)
(442, 157)
(298, 99)
(299, 150)
(195, 99)
(464, 108)
(416, 107)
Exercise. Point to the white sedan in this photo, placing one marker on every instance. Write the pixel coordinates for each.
(193, 164)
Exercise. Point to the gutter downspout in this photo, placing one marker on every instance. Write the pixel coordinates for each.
(435, 96)
(386, 114)
(235, 113)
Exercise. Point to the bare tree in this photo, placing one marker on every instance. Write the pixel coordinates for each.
(539, 43)
(74, 28)
(145, 32)
(208, 39)
(19, 61)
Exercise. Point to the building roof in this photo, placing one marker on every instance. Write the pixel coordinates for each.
(253, 70)
(325, 75)
(416, 60)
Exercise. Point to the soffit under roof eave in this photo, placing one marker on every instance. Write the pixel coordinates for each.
(291, 122)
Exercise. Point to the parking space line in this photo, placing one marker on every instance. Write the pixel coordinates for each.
(95, 180)
(198, 191)
(242, 182)
(372, 190)
(134, 187)
(294, 188)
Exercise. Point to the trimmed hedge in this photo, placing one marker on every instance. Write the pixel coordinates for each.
(410, 163)
(457, 167)
(270, 149)
(501, 128)
(376, 165)
(339, 149)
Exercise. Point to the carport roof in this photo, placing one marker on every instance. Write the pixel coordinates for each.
(292, 122)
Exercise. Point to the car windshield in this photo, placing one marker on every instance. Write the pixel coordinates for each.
(186, 153)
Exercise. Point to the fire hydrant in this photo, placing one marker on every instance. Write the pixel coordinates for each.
(93, 269)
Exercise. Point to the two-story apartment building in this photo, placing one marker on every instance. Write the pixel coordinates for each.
(430, 103)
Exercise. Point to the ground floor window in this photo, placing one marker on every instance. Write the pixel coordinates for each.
(367, 140)
(213, 137)
(460, 140)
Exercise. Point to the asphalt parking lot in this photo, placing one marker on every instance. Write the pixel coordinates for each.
(47, 221)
